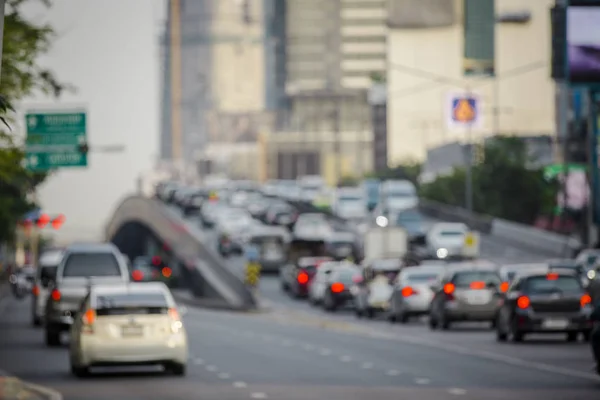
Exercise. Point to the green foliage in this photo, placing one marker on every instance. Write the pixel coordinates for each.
(24, 41)
(409, 170)
(502, 185)
(348, 181)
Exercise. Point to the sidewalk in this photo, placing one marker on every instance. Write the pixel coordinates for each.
(15, 389)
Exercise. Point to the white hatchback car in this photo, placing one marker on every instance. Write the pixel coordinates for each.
(130, 324)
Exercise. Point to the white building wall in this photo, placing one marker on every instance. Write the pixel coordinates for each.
(417, 103)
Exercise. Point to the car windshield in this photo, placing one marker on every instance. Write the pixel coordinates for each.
(91, 264)
(421, 277)
(131, 303)
(464, 279)
(451, 234)
(562, 284)
(346, 275)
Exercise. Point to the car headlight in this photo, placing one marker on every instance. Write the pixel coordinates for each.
(591, 274)
(176, 326)
(442, 253)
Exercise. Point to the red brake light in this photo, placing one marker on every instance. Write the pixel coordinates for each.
(408, 291)
(585, 300)
(137, 275)
(523, 302)
(303, 278)
(552, 276)
(167, 272)
(337, 287)
(449, 288)
(55, 295)
(504, 287)
(156, 260)
(174, 314)
(36, 290)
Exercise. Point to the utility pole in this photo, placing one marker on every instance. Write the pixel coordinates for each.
(176, 84)
(469, 165)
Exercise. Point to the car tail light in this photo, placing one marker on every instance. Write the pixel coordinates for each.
(357, 279)
(478, 285)
(586, 299)
(156, 260)
(552, 276)
(337, 287)
(35, 290)
(408, 291)
(137, 275)
(303, 278)
(176, 324)
(523, 302)
(88, 318)
(55, 295)
(167, 272)
(504, 287)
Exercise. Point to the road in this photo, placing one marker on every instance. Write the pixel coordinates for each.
(294, 351)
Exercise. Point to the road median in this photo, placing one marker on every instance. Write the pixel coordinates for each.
(12, 388)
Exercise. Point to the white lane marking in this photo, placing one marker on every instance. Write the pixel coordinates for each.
(325, 352)
(367, 365)
(345, 358)
(457, 391)
(287, 343)
(224, 375)
(199, 361)
(258, 395)
(211, 368)
(240, 384)
(393, 372)
(309, 347)
(422, 381)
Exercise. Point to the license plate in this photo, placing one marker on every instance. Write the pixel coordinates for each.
(478, 298)
(130, 331)
(555, 323)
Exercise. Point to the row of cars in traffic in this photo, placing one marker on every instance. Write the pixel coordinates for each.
(440, 279)
(115, 312)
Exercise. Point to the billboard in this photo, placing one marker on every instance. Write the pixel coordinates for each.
(583, 43)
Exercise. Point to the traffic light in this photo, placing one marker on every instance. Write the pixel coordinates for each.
(58, 221)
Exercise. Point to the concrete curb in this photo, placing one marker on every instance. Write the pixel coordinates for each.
(27, 390)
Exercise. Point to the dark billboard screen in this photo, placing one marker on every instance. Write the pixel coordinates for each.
(583, 38)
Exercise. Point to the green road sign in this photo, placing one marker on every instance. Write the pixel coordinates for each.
(53, 140)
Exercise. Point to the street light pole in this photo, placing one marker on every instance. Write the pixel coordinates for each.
(469, 165)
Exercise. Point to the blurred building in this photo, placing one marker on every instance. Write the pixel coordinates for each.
(429, 62)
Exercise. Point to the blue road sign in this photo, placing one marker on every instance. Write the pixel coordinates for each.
(464, 110)
(252, 253)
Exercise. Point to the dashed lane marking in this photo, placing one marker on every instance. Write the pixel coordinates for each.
(367, 365)
(240, 384)
(211, 368)
(199, 361)
(345, 358)
(393, 372)
(258, 395)
(422, 381)
(224, 375)
(457, 391)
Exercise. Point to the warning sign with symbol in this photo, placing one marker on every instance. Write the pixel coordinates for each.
(463, 110)
(471, 245)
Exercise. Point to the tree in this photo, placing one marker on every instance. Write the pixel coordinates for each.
(503, 185)
(24, 41)
(409, 170)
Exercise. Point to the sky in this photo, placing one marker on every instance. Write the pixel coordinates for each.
(107, 49)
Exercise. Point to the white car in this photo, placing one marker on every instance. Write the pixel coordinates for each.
(130, 324)
(320, 283)
(312, 226)
(446, 239)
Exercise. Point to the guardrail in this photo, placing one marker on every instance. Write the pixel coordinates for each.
(202, 267)
(512, 234)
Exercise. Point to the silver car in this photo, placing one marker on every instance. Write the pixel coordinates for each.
(413, 293)
(466, 293)
(45, 276)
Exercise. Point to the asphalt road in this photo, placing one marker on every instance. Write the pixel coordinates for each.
(295, 351)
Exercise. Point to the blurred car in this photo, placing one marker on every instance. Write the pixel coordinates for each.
(509, 272)
(312, 226)
(192, 204)
(281, 214)
(295, 278)
(337, 286)
(131, 324)
(22, 280)
(446, 240)
(465, 293)
(45, 277)
(548, 301)
(588, 258)
(228, 223)
(340, 245)
(413, 292)
(210, 211)
(412, 221)
(319, 284)
(573, 265)
(272, 245)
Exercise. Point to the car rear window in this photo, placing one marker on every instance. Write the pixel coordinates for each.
(563, 283)
(451, 233)
(346, 276)
(464, 279)
(421, 277)
(48, 273)
(132, 303)
(91, 264)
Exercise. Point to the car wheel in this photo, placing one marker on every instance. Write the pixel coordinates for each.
(37, 321)
(433, 323)
(391, 318)
(403, 318)
(445, 323)
(52, 337)
(572, 336)
(516, 335)
(176, 369)
(80, 372)
(500, 336)
(370, 313)
(586, 336)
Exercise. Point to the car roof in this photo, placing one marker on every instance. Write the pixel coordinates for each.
(419, 269)
(517, 267)
(560, 261)
(91, 247)
(308, 261)
(440, 226)
(466, 267)
(541, 272)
